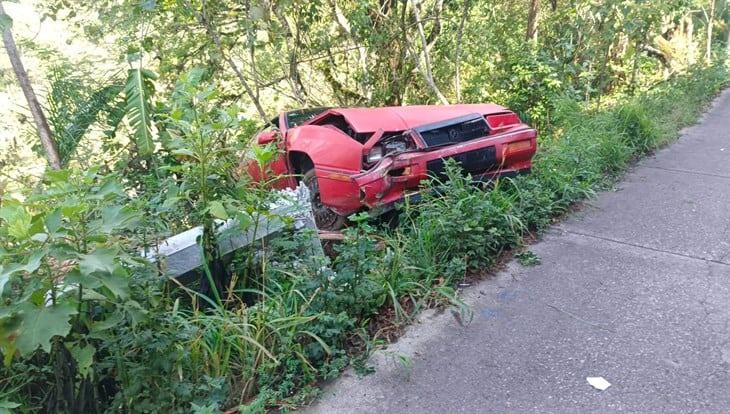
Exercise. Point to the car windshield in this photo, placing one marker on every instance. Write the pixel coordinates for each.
(300, 116)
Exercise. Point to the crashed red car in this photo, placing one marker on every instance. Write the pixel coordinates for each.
(364, 158)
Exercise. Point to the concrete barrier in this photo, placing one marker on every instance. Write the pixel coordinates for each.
(182, 254)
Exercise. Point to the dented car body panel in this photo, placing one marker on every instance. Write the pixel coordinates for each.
(367, 158)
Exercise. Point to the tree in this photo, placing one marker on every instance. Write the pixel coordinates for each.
(533, 15)
(44, 131)
(427, 68)
(213, 33)
(459, 37)
(710, 21)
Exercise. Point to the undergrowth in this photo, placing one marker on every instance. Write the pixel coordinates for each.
(299, 320)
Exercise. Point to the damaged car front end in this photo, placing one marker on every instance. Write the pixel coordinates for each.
(356, 159)
(483, 149)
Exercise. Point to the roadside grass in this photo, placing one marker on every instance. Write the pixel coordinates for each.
(462, 229)
(309, 318)
(312, 320)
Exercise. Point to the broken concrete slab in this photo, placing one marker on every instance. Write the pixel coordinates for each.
(182, 254)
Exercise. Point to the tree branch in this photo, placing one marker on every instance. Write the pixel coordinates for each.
(41, 123)
(203, 20)
(459, 36)
(427, 72)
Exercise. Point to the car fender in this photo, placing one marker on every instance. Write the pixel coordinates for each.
(336, 157)
(327, 147)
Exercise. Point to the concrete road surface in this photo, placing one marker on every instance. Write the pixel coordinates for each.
(635, 289)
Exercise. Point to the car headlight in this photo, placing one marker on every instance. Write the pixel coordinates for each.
(375, 155)
(389, 146)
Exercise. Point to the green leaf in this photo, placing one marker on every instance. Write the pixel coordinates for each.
(111, 321)
(110, 187)
(217, 210)
(100, 268)
(7, 406)
(244, 220)
(57, 176)
(17, 219)
(100, 260)
(138, 92)
(135, 311)
(204, 409)
(184, 151)
(9, 327)
(34, 262)
(170, 202)
(39, 237)
(90, 294)
(40, 324)
(84, 357)
(117, 282)
(53, 221)
(6, 23)
(72, 127)
(72, 211)
(116, 218)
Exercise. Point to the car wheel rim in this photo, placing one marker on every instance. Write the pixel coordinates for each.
(324, 217)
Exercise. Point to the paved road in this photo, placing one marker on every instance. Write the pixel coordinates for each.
(635, 288)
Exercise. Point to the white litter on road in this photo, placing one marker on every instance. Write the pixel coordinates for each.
(598, 383)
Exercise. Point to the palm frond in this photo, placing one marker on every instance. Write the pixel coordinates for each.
(138, 93)
(74, 103)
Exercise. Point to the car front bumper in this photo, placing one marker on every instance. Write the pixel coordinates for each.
(393, 177)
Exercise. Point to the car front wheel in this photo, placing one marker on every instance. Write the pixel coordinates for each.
(324, 217)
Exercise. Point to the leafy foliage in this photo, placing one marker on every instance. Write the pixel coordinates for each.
(83, 318)
(74, 106)
(67, 280)
(138, 92)
(73, 290)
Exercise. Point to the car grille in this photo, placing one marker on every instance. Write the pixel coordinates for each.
(473, 162)
(453, 131)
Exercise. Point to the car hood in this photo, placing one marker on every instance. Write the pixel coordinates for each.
(400, 118)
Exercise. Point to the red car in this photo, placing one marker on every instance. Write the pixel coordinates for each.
(362, 158)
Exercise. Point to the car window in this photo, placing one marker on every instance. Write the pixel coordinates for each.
(300, 116)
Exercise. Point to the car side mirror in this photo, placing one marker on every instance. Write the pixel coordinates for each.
(267, 137)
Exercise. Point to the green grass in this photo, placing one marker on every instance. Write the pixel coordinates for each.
(311, 319)
(463, 229)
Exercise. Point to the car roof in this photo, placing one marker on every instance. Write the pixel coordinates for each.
(399, 118)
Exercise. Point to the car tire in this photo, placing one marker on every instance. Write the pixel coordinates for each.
(324, 217)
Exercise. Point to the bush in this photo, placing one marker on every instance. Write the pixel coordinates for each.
(131, 345)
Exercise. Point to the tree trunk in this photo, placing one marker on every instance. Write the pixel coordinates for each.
(635, 67)
(690, 37)
(533, 15)
(428, 71)
(710, 24)
(44, 131)
(727, 39)
(459, 36)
